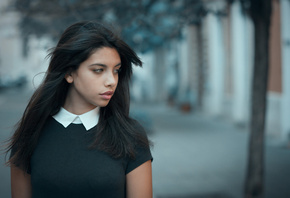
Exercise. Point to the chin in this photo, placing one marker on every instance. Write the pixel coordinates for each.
(103, 104)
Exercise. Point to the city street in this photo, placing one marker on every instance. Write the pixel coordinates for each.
(195, 156)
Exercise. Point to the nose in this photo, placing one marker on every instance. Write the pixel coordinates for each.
(111, 80)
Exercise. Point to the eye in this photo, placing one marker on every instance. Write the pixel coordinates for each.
(98, 70)
(117, 71)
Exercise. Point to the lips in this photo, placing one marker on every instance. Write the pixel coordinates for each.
(107, 95)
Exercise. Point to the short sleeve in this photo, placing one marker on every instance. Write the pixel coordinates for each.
(143, 154)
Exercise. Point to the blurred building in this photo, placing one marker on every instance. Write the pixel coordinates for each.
(211, 67)
(18, 62)
(230, 64)
(10, 45)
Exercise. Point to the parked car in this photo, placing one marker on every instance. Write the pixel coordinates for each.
(8, 81)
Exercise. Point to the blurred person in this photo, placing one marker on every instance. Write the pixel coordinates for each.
(75, 138)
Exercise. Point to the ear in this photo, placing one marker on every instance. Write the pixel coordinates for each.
(69, 78)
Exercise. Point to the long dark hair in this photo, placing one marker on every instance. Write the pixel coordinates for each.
(116, 133)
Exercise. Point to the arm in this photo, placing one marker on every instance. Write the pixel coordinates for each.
(139, 181)
(20, 183)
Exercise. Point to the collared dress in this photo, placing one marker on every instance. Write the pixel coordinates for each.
(63, 166)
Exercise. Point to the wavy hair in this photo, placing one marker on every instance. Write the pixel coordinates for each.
(116, 133)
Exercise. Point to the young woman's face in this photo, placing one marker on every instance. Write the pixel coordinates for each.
(94, 82)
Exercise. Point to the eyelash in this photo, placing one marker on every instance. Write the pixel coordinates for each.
(100, 70)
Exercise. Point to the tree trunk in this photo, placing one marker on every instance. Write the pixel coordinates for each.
(260, 12)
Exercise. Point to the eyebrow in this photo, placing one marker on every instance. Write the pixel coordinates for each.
(103, 65)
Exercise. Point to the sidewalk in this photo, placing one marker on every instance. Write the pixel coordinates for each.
(12, 105)
(196, 156)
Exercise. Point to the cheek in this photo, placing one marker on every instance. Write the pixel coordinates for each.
(88, 84)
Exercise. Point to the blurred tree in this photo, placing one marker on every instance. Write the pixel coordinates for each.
(260, 12)
(144, 24)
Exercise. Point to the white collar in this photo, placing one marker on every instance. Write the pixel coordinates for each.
(88, 119)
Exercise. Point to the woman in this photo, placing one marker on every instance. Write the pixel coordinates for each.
(76, 138)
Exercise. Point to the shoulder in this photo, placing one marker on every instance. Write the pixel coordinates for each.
(142, 155)
(142, 148)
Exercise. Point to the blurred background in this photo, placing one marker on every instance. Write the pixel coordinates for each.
(193, 94)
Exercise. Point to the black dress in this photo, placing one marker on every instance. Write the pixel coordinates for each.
(63, 166)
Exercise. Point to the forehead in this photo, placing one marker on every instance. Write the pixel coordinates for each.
(105, 55)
